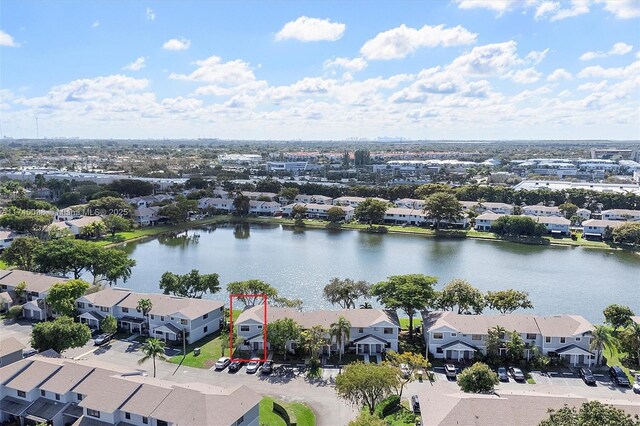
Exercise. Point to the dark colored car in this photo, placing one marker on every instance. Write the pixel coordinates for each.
(101, 339)
(587, 376)
(267, 367)
(502, 374)
(517, 374)
(29, 352)
(415, 404)
(235, 366)
(618, 376)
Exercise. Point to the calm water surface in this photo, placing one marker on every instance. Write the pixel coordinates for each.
(299, 264)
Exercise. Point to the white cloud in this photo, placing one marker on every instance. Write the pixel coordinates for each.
(151, 15)
(352, 65)
(499, 6)
(95, 24)
(7, 40)
(399, 42)
(177, 44)
(136, 65)
(559, 74)
(623, 9)
(525, 76)
(546, 8)
(218, 73)
(490, 59)
(311, 29)
(536, 56)
(556, 10)
(593, 87)
(619, 48)
(621, 72)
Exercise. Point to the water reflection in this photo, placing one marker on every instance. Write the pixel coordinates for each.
(242, 231)
(179, 240)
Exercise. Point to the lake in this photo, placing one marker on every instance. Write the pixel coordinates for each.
(570, 280)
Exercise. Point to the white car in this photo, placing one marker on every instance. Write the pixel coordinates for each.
(253, 365)
(636, 385)
(222, 363)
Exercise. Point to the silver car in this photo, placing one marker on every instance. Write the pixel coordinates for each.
(253, 365)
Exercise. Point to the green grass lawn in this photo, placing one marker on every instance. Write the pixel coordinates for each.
(614, 358)
(304, 414)
(404, 322)
(3, 264)
(210, 351)
(402, 417)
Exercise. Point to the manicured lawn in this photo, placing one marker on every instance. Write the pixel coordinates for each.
(613, 358)
(404, 322)
(401, 417)
(304, 414)
(209, 353)
(3, 265)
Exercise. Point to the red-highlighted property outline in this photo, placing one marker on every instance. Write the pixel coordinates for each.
(264, 326)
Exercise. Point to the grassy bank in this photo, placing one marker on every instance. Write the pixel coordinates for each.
(304, 415)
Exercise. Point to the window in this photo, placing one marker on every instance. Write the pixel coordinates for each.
(184, 322)
(161, 318)
(161, 423)
(145, 420)
(438, 350)
(127, 416)
(57, 397)
(159, 332)
(476, 337)
(438, 336)
(388, 330)
(204, 330)
(531, 336)
(90, 305)
(153, 316)
(79, 397)
(3, 286)
(205, 316)
(80, 305)
(547, 339)
(104, 309)
(259, 327)
(563, 340)
(361, 330)
(387, 345)
(125, 310)
(454, 334)
(240, 420)
(244, 328)
(42, 393)
(578, 339)
(22, 394)
(93, 413)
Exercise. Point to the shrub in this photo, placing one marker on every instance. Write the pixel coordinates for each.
(386, 406)
(15, 312)
(403, 417)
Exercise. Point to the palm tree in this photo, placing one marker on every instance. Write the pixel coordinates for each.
(340, 330)
(152, 348)
(366, 305)
(601, 339)
(145, 306)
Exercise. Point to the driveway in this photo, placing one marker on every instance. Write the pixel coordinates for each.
(20, 330)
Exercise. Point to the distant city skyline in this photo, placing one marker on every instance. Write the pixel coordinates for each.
(438, 70)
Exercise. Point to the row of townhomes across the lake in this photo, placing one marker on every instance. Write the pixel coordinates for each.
(47, 389)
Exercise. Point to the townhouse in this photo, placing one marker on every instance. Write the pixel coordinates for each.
(313, 199)
(75, 226)
(541, 211)
(263, 208)
(621, 214)
(225, 204)
(373, 331)
(37, 288)
(553, 225)
(449, 335)
(481, 207)
(63, 392)
(146, 216)
(409, 203)
(260, 195)
(583, 214)
(148, 200)
(7, 236)
(596, 228)
(484, 222)
(354, 201)
(169, 317)
(10, 351)
(319, 211)
(404, 215)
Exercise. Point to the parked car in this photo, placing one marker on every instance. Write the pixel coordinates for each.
(415, 404)
(450, 370)
(235, 366)
(101, 339)
(267, 367)
(517, 374)
(222, 363)
(636, 385)
(618, 376)
(29, 352)
(502, 374)
(404, 369)
(587, 376)
(253, 365)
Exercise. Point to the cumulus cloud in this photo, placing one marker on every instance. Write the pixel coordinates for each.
(556, 10)
(399, 42)
(95, 24)
(136, 65)
(349, 64)
(559, 74)
(151, 15)
(7, 40)
(220, 76)
(619, 48)
(311, 29)
(536, 56)
(177, 44)
(499, 6)
(623, 9)
(619, 72)
(489, 59)
(525, 76)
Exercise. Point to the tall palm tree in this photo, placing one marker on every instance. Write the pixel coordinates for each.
(152, 348)
(340, 330)
(600, 339)
(145, 306)
(366, 305)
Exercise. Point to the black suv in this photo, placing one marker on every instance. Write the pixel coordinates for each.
(618, 376)
(587, 376)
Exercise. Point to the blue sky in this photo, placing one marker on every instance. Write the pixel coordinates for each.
(460, 69)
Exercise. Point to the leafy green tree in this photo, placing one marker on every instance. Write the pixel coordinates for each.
(459, 293)
(60, 334)
(290, 193)
(30, 222)
(241, 205)
(63, 256)
(93, 230)
(24, 203)
(131, 187)
(281, 331)
(283, 302)
(617, 316)
(629, 233)
(410, 362)
(478, 378)
(516, 226)
(335, 214)
(629, 342)
(366, 384)
(62, 296)
(507, 301)
(442, 206)
(299, 212)
(601, 339)
(251, 287)
(493, 343)
(428, 189)
(21, 253)
(340, 330)
(20, 290)
(153, 349)
(591, 413)
(568, 210)
(371, 211)
(411, 293)
(515, 347)
(367, 419)
(313, 339)
(193, 284)
(346, 292)
(110, 206)
(115, 223)
(109, 324)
